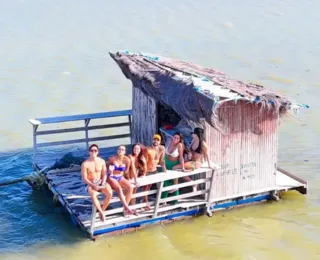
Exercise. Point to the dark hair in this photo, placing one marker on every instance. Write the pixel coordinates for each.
(200, 133)
(93, 145)
(141, 163)
(182, 141)
(180, 135)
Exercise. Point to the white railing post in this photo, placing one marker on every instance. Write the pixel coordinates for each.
(130, 128)
(86, 123)
(208, 204)
(35, 127)
(156, 207)
(93, 219)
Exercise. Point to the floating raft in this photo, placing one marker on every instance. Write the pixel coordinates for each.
(68, 188)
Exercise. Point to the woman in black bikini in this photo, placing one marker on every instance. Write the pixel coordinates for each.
(199, 151)
(117, 167)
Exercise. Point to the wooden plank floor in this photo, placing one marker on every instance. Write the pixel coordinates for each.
(285, 182)
(70, 191)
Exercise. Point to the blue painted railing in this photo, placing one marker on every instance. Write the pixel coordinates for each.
(86, 128)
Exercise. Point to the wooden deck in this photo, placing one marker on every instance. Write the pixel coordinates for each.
(68, 188)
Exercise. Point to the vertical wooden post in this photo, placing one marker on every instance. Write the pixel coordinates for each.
(86, 123)
(35, 127)
(208, 199)
(158, 199)
(93, 219)
(130, 128)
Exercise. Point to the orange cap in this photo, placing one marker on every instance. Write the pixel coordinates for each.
(156, 136)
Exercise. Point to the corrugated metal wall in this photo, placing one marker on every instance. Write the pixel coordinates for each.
(247, 154)
(144, 117)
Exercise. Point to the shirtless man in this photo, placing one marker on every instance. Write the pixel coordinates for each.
(93, 172)
(155, 155)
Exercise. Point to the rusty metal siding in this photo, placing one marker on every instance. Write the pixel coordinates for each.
(247, 154)
(144, 117)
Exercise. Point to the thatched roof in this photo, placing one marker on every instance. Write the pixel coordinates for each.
(192, 91)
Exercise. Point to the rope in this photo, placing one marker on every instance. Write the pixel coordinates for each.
(14, 181)
(36, 179)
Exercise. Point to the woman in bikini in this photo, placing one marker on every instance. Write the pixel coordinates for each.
(199, 152)
(173, 156)
(119, 166)
(138, 166)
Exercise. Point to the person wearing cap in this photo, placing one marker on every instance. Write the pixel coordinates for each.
(155, 156)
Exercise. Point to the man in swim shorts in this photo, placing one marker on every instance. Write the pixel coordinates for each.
(154, 156)
(93, 173)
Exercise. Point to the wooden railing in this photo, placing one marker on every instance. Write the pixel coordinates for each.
(159, 179)
(86, 118)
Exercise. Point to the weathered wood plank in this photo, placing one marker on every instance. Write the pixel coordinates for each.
(186, 184)
(168, 175)
(77, 129)
(82, 140)
(120, 219)
(158, 199)
(144, 117)
(70, 190)
(164, 209)
(60, 119)
(187, 195)
(135, 195)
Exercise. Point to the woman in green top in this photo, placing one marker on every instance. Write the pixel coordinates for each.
(173, 157)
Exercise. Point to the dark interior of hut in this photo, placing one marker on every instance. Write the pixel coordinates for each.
(167, 116)
(170, 122)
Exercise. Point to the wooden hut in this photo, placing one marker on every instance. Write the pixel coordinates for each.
(240, 119)
(241, 128)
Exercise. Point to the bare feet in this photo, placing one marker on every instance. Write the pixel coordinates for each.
(173, 190)
(147, 207)
(127, 212)
(135, 212)
(101, 215)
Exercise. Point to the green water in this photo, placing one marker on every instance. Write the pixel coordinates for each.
(54, 61)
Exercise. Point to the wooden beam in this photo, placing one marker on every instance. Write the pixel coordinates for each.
(86, 124)
(74, 141)
(169, 175)
(77, 129)
(292, 176)
(135, 206)
(113, 200)
(129, 120)
(187, 195)
(34, 133)
(249, 193)
(60, 119)
(93, 219)
(208, 204)
(185, 184)
(158, 199)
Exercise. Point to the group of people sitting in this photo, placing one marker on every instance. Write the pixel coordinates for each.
(120, 172)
